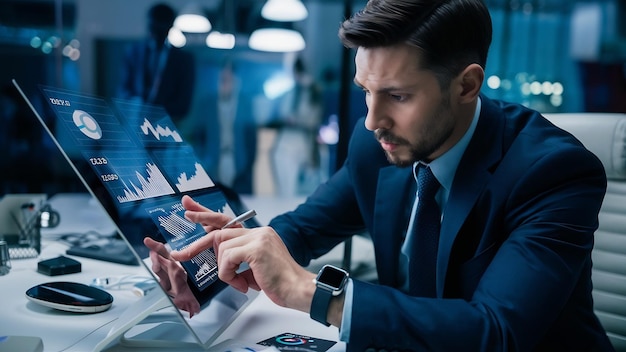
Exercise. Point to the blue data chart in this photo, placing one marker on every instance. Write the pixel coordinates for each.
(169, 216)
(183, 168)
(150, 124)
(177, 231)
(89, 120)
(128, 175)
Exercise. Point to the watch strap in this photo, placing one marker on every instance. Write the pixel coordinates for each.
(319, 305)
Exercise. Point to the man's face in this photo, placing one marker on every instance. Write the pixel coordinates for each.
(407, 110)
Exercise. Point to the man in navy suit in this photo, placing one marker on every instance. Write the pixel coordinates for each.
(518, 198)
(157, 73)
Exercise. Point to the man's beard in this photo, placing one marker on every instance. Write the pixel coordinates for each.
(421, 151)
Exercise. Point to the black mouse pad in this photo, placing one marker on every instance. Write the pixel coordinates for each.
(115, 251)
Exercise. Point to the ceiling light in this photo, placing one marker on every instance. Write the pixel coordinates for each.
(219, 40)
(276, 40)
(284, 10)
(192, 20)
(176, 37)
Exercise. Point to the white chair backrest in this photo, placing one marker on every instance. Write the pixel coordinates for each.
(605, 135)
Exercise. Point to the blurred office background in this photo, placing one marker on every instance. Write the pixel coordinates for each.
(551, 55)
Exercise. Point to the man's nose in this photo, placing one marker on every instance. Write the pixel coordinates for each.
(376, 117)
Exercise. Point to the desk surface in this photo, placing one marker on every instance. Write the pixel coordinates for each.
(65, 331)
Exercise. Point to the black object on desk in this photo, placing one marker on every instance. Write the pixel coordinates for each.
(70, 297)
(115, 251)
(60, 265)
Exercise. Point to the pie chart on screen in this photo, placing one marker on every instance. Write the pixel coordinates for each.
(87, 124)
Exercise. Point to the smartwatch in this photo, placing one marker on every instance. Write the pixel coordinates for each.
(330, 282)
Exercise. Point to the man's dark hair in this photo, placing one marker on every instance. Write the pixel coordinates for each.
(160, 19)
(162, 14)
(451, 34)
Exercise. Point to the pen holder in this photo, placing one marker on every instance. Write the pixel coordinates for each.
(29, 220)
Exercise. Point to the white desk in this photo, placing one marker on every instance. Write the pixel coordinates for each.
(64, 331)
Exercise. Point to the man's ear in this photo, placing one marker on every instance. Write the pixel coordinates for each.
(470, 82)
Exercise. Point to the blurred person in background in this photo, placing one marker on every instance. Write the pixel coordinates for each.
(230, 133)
(295, 154)
(157, 73)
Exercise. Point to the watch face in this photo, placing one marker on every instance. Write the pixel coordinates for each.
(332, 276)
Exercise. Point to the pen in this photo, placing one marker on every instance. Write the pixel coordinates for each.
(241, 218)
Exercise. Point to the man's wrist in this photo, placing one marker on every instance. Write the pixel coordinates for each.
(335, 310)
(330, 283)
(300, 299)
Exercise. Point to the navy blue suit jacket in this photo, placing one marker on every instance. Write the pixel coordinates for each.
(514, 259)
(177, 84)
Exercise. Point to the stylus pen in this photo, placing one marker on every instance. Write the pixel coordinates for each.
(241, 218)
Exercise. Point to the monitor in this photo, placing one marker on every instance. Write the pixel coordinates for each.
(133, 160)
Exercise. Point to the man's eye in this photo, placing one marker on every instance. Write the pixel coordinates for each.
(397, 97)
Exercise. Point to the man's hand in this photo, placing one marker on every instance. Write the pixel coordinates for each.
(172, 277)
(272, 269)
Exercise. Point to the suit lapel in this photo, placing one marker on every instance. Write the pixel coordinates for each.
(474, 172)
(394, 196)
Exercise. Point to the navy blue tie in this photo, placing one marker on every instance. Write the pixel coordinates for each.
(425, 242)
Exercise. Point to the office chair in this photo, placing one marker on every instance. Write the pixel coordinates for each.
(604, 134)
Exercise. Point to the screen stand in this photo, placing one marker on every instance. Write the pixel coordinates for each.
(162, 331)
